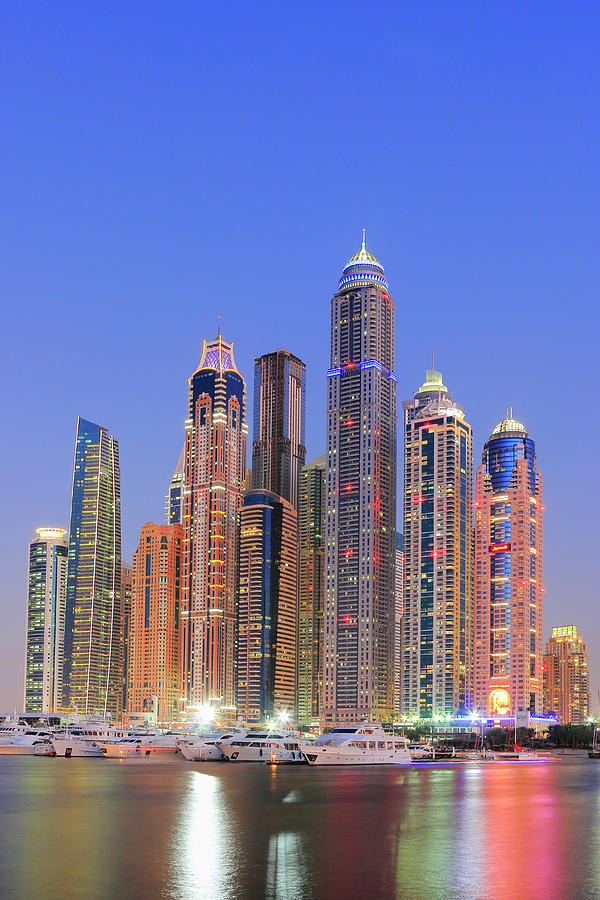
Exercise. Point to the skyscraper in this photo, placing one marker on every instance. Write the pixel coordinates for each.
(93, 633)
(508, 574)
(153, 685)
(126, 594)
(215, 472)
(566, 677)
(174, 498)
(46, 598)
(266, 632)
(311, 588)
(278, 451)
(438, 547)
(398, 616)
(361, 497)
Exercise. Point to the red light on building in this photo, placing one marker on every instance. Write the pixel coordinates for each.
(348, 552)
(347, 619)
(417, 499)
(350, 365)
(499, 548)
(349, 487)
(349, 422)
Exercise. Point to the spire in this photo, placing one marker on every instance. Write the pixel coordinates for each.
(219, 325)
(364, 240)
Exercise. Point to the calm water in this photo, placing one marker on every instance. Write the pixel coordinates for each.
(101, 829)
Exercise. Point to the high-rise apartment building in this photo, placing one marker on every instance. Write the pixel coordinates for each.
(93, 632)
(508, 574)
(174, 498)
(267, 609)
(278, 450)
(311, 588)
(126, 594)
(566, 677)
(153, 685)
(361, 498)
(215, 473)
(398, 616)
(46, 601)
(438, 547)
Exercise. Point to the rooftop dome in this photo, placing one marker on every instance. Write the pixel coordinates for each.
(433, 383)
(509, 425)
(362, 268)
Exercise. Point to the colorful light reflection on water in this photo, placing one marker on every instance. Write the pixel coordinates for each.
(97, 829)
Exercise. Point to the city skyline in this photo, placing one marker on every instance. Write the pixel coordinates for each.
(129, 228)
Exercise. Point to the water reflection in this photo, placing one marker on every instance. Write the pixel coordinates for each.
(79, 829)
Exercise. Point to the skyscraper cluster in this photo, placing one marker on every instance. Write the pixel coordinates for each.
(287, 588)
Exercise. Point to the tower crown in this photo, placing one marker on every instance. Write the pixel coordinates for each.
(218, 355)
(361, 269)
(433, 383)
(509, 425)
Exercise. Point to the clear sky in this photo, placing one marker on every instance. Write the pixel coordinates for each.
(163, 163)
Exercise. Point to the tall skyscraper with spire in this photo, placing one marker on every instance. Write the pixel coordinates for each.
(214, 481)
(438, 547)
(361, 497)
(278, 450)
(93, 657)
(509, 588)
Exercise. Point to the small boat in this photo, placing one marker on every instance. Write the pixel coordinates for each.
(357, 745)
(594, 750)
(137, 746)
(259, 746)
(430, 752)
(519, 754)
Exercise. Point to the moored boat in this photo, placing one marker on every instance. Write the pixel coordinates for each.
(206, 748)
(357, 745)
(259, 746)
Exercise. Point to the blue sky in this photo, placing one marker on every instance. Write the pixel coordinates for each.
(163, 164)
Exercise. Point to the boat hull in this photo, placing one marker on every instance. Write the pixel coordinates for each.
(330, 756)
(77, 748)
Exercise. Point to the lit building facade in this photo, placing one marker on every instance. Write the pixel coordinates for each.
(509, 589)
(126, 594)
(174, 498)
(311, 588)
(154, 645)
(214, 481)
(398, 616)
(438, 552)
(267, 608)
(278, 450)
(361, 498)
(93, 658)
(566, 677)
(46, 602)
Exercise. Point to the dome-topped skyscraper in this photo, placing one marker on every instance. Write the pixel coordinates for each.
(361, 498)
(508, 574)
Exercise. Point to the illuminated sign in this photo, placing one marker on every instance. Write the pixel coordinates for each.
(499, 702)
(500, 548)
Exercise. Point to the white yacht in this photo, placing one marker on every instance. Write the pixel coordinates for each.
(23, 742)
(206, 747)
(262, 746)
(141, 746)
(76, 743)
(357, 745)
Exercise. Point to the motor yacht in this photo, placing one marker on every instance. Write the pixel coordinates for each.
(23, 742)
(76, 743)
(206, 748)
(357, 745)
(141, 746)
(259, 746)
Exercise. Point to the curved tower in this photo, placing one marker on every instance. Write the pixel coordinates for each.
(361, 498)
(214, 480)
(508, 574)
(438, 546)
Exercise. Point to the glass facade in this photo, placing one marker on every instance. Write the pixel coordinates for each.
(93, 662)
(47, 583)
